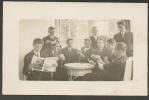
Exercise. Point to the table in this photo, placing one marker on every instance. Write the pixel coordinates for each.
(78, 69)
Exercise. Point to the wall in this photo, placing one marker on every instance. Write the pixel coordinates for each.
(30, 29)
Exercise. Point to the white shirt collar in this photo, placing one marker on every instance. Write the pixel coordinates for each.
(36, 53)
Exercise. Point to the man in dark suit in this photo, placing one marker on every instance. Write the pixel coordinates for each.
(87, 51)
(71, 54)
(94, 37)
(50, 39)
(124, 36)
(114, 71)
(28, 69)
(52, 51)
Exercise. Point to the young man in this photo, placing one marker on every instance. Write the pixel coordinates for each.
(28, 69)
(114, 71)
(71, 54)
(86, 50)
(53, 51)
(124, 36)
(94, 37)
(96, 56)
(50, 39)
(108, 50)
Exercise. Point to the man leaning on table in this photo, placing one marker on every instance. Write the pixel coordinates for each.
(113, 71)
(86, 50)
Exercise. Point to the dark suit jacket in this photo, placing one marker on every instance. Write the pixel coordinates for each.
(94, 42)
(31, 75)
(114, 71)
(127, 39)
(87, 54)
(70, 57)
(47, 41)
(48, 52)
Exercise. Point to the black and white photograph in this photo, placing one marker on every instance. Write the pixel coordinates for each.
(76, 50)
(58, 48)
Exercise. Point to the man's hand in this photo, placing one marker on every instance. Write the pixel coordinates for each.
(62, 57)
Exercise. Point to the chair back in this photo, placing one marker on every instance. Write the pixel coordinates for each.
(128, 69)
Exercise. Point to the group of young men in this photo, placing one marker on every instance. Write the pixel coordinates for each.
(112, 53)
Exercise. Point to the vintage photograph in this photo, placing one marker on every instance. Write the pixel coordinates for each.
(76, 50)
(59, 48)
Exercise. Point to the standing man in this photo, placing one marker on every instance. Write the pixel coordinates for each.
(94, 37)
(126, 37)
(50, 39)
(28, 68)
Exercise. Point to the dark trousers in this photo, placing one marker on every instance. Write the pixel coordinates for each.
(61, 74)
(39, 76)
(34, 75)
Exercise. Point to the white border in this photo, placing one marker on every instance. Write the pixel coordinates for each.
(15, 11)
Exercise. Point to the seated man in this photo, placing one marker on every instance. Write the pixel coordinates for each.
(52, 51)
(27, 69)
(108, 50)
(114, 71)
(86, 50)
(97, 52)
(71, 55)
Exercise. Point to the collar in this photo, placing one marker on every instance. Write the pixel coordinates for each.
(36, 53)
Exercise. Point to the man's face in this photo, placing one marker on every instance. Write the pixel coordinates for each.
(87, 43)
(94, 31)
(51, 32)
(118, 53)
(70, 43)
(57, 47)
(121, 28)
(100, 43)
(111, 46)
(37, 47)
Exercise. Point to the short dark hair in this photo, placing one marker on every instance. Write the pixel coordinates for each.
(121, 22)
(111, 41)
(51, 27)
(121, 46)
(37, 41)
(87, 39)
(100, 39)
(70, 39)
